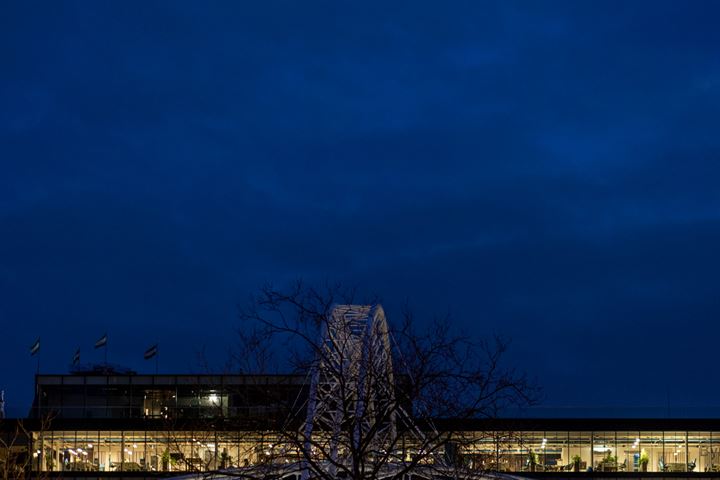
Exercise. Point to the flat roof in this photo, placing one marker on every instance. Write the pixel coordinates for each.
(169, 379)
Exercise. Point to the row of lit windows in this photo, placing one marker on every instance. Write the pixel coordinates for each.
(628, 451)
(153, 404)
(107, 451)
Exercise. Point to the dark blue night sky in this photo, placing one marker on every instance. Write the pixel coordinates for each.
(547, 171)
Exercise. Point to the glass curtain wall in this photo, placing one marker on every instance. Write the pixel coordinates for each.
(509, 452)
(628, 451)
(651, 451)
(155, 443)
(702, 452)
(110, 451)
(712, 453)
(533, 451)
(228, 450)
(580, 451)
(675, 452)
(604, 452)
(479, 450)
(553, 451)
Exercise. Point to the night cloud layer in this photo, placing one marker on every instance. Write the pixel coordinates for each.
(545, 171)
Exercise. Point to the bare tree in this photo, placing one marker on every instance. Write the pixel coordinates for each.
(380, 402)
(16, 458)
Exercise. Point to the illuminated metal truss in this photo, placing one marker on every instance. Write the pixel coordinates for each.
(291, 471)
(352, 390)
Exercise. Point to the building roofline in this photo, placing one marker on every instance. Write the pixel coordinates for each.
(168, 379)
(632, 426)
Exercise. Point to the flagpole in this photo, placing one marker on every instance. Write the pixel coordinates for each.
(157, 346)
(35, 350)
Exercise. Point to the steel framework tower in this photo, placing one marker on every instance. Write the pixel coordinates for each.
(351, 404)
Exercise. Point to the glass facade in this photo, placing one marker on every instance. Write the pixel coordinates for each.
(182, 451)
(172, 419)
(526, 451)
(164, 396)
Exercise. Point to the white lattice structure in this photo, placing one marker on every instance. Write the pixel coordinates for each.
(352, 398)
(351, 408)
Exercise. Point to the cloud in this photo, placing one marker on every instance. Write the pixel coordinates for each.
(548, 171)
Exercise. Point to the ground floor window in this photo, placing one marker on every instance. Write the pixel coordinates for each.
(185, 451)
(524, 451)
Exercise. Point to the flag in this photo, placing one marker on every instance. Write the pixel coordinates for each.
(35, 348)
(76, 357)
(101, 342)
(151, 352)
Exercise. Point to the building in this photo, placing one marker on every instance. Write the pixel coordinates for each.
(156, 423)
(105, 423)
(98, 424)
